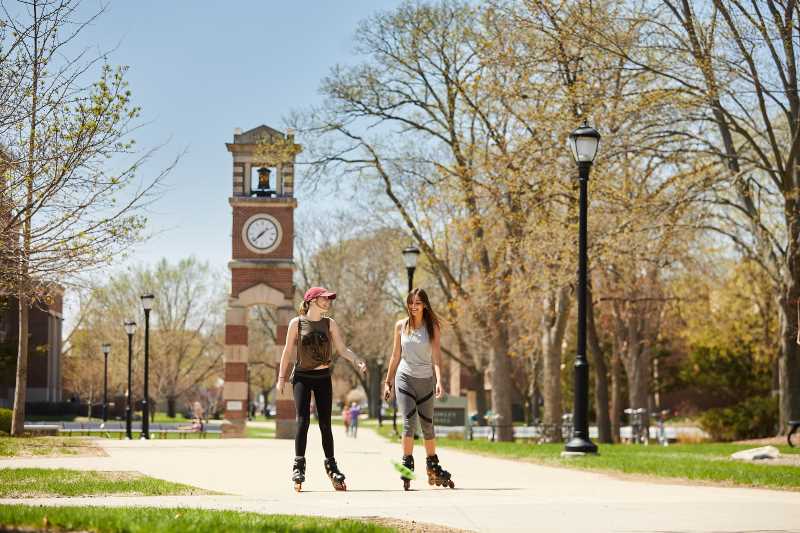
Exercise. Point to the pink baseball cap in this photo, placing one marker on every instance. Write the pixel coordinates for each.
(316, 292)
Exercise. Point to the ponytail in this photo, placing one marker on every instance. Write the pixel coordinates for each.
(304, 308)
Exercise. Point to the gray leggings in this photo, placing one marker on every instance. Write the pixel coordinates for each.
(415, 397)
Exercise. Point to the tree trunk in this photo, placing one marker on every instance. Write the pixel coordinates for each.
(171, 401)
(553, 326)
(616, 395)
(598, 362)
(501, 379)
(479, 377)
(18, 417)
(789, 363)
(637, 368)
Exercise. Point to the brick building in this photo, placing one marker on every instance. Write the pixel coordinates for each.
(44, 350)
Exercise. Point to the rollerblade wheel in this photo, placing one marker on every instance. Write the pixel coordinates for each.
(298, 487)
(406, 484)
(430, 481)
(451, 484)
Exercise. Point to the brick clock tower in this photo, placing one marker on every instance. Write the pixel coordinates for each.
(262, 262)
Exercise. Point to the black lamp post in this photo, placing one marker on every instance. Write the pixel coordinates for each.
(147, 305)
(410, 256)
(106, 349)
(583, 142)
(130, 329)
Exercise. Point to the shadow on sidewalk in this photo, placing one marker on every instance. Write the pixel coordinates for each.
(457, 489)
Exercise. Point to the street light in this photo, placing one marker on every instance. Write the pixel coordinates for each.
(147, 305)
(410, 256)
(130, 329)
(583, 142)
(106, 349)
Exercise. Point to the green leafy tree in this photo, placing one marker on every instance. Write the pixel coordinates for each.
(63, 210)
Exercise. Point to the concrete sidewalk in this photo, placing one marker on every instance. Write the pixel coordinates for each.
(490, 495)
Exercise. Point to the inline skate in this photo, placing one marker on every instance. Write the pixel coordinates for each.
(337, 478)
(436, 474)
(408, 463)
(299, 473)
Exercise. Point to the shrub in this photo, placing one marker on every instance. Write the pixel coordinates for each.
(753, 418)
(5, 420)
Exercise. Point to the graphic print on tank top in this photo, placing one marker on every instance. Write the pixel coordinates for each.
(314, 343)
(315, 346)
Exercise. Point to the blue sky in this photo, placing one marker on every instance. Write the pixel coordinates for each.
(199, 69)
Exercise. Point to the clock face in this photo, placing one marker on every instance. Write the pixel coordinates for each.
(262, 233)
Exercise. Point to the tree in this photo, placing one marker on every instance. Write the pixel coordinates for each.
(185, 329)
(736, 63)
(64, 211)
(421, 80)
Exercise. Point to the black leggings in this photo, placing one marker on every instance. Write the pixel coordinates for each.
(318, 381)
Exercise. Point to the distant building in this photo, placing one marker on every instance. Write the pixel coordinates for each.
(44, 350)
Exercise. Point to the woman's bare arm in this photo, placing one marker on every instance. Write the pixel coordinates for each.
(394, 360)
(343, 350)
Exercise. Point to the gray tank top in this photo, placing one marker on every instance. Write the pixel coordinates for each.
(415, 357)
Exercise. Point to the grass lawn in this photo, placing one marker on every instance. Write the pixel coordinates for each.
(707, 462)
(46, 482)
(38, 446)
(180, 520)
(259, 433)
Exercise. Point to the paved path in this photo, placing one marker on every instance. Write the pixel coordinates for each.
(491, 494)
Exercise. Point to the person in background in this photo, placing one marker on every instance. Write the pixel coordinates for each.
(355, 412)
(346, 419)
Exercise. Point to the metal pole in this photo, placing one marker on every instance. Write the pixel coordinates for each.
(410, 278)
(128, 406)
(580, 441)
(105, 387)
(146, 403)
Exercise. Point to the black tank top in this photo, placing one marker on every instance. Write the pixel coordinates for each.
(313, 343)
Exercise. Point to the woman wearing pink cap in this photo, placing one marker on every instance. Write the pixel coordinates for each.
(314, 336)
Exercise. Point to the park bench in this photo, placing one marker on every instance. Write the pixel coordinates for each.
(794, 425)
(481, 432)
(527, 433)
(446, 431)
(41, 430)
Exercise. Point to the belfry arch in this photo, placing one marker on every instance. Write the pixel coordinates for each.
(262, 264)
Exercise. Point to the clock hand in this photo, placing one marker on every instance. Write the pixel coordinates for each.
(259, 235)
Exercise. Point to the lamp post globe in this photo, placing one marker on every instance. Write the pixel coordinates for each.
(130, 329)
(147, 305)
(106, 349)
(584, 143)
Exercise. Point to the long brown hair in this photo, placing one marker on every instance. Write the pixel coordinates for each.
(428, 315)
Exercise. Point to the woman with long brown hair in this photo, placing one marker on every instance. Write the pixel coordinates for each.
(314, 336)
(415, 374)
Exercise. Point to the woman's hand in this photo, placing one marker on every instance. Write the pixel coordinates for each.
(387, 391)
(362, 366)
(439, 390)
(280, 385)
